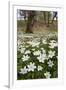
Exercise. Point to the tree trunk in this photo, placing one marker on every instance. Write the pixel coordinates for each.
(54, 16)
(44, 14)
(30, 21)
(48, 19)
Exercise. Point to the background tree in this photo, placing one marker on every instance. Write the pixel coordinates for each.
(44, 14)
(30, 21)
(54, 16)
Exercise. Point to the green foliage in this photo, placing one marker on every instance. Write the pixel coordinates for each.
(33, 58)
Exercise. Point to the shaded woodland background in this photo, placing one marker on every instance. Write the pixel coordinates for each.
(30, 21)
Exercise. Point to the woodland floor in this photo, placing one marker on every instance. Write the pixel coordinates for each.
(38, 29)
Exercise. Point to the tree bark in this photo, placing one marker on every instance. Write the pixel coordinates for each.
(30, 22)
(44, 14)
(48, 19)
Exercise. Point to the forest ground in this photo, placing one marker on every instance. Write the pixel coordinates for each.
(39, 28)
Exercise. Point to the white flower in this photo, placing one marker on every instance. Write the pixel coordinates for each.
(52, 41)
(25, 58)
(23, 70)
(40, 68)
(27, 46)
(33, 49)
(53, 44)
(50, 63)
(51, 54)
(35, 44)
(43, 50)
(31, 66)
(47, 74)
(22, 50)
(27, 52)
(36, 52)
(44, 41)
(18, 42)
(21, 46)
(41, 58)
(29, 42)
